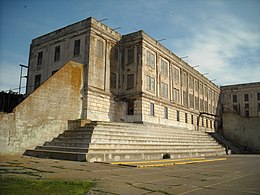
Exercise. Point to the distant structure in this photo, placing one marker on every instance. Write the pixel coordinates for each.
(130, 78)
(244, 99)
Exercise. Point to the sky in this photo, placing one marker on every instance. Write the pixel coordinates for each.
(221, 37)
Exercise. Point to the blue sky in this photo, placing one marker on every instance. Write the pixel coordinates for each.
(221, 36)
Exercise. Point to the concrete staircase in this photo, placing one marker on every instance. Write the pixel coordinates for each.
(100, 141)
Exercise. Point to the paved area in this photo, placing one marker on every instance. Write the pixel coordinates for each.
(237, 174)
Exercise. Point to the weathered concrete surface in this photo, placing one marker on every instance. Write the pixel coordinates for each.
(236, 175)
(44, 113)
(241, 130)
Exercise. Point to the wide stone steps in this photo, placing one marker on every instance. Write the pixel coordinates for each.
(122, 141)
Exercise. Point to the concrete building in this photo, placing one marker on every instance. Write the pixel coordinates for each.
(244, 99)
(130, 78)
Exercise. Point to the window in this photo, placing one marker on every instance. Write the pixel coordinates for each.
(150, 59)
(178, 115)
(130, 107)
(176, 95)
(246, 106)
(57, 54)
(246, 113)
(258, 107)
(176, 74)
(201, 105)
(207, 123)
(196, 86)
(164, 89)
(150, 84)
(37, 81)
(186, 118)
(202, 121)
(184, 79)
(151, 109)
(191, 118)
(210, 122)
(130, 56)
(246, 98)
(191, 83)
(165, 112)
(39, 58)
(258, 96)
(206, 106)
(201, 89)
(191, 100)
(234, 98)
(164, 67)
(99, 49)
(196, 103)
(77, 47)
(235, 108)
(53, 72)
(113, 79)
(130, 81)
(185, 98)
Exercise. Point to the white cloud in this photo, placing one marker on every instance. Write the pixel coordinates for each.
(226, 47)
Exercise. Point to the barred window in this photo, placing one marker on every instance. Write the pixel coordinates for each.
(113, 79)
(150, 84)
(150, 59)
(164, 89)
(57, 54)
(176, 74)
(39, 58)
(130, 56)
(176, 96)
(191, 83)
(191, 101)
(165, 112)
(164, 67)
(99, 49)
(130, 81)
(77, 47)
(151, 109)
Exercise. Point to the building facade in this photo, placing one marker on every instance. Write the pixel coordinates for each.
(244, 99)
(130, 78)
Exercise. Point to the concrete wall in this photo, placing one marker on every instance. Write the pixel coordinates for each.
(241, 130)
(44, 113)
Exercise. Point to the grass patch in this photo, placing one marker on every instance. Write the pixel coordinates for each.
(17, 186)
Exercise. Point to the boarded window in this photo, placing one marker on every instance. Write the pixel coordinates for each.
(37, 81)
(113, 79)
(57, 54)
(130, 56)
(164, 90)
(130, 81)
(76, 47)
(164, 67)
(39, 58)
(150, 84)
(99, 49)
(150, 59)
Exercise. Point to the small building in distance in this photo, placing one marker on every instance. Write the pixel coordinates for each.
(244, 99)
(130, 78)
